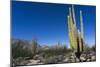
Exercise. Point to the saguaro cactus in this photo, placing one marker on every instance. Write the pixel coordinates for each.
(76, 37)
(34, 47)
(82, 30)
(72, 31)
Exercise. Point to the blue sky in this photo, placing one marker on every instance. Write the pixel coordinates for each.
(48, 22)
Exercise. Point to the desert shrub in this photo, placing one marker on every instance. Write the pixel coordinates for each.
(86, 48)
(54, 52)
(93, 48)
(20, 50)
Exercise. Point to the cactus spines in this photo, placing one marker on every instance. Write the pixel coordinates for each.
(76, 36)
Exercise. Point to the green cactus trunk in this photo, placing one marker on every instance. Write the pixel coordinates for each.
(34, 47)
(76, 37)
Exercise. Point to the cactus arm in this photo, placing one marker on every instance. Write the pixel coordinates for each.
(70, 33)
(82, 30)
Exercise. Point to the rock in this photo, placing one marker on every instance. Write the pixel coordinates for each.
(41, 59)
(89, 56)
(60, 58)
(73, 60)
(24, 62)
(13, 63)
(77, 60)
(66, 60)
(92, 53)
(83, 59)
(83, 55)
(36, 57)
(51, 60)
(18, 60)
(31, 62)
(88, 60)
(34, 61)
(26, 58)
(72, 57)
(93, 58)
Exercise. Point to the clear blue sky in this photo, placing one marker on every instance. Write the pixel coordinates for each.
(48, 23)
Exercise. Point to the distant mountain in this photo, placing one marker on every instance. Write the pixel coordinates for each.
(24, 43)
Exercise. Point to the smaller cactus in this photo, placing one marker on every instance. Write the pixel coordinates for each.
(34, 47)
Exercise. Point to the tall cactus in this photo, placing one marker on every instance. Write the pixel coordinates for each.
(34, 47)
(76, 37)
(82, 30)
(72, 31)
